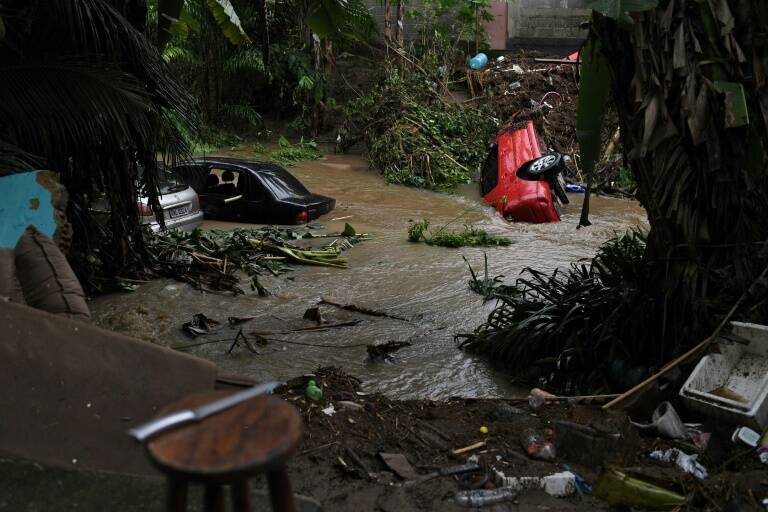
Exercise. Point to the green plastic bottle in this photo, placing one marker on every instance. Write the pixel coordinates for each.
(313, 392)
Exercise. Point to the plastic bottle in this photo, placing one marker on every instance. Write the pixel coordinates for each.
(747, 436)
(313, 392)
(536, 446)
(483, 497)
(479, 61)
(557, 484)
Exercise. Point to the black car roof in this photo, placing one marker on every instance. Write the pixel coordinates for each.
(251, 165)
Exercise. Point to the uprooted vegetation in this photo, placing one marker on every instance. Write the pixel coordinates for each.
(470, 236)
(415, 136)
(580, 330)
(418, 131)
(213, 260)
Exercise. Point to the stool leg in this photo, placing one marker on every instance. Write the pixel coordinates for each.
(280, 493)
(214, 498)
(241, 496)
(176, 497)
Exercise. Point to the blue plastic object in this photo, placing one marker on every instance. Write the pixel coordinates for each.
(572, 187)
(479, 61)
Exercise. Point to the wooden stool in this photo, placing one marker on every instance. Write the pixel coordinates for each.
(256, 436)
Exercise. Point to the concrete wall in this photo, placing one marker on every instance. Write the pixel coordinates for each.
(547, 19)
(526, 20)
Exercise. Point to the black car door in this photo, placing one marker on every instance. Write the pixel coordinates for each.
(256, 202)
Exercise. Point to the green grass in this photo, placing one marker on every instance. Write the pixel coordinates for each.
(290, 154)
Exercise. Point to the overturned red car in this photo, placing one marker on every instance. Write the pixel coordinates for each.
(523, 184)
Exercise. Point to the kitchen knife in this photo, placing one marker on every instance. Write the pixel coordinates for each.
(149, 429)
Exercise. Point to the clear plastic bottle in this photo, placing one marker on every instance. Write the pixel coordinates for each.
(483, 497)
(536, 445)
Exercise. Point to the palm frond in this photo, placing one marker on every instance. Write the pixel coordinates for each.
(62, 105)
(14, 159)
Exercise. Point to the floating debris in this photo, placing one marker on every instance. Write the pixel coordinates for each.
(212, 260)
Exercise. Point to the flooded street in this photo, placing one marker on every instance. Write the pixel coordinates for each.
(426, 284)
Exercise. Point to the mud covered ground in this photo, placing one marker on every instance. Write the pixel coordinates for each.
(338, 462)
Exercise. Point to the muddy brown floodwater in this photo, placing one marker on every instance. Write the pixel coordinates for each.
(428, 284)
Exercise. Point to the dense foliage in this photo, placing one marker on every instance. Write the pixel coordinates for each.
(416, 133)
(575, 331)
(85, 93)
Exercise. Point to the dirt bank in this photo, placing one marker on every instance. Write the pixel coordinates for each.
(339, 464)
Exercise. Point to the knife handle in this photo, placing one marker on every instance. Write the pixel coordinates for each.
(147, 430)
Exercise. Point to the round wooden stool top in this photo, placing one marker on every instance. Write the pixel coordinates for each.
(258, 435)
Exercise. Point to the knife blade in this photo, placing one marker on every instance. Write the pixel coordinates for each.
(143, 432)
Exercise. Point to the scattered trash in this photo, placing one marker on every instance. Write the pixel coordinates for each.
(536, 446)
(479, 61)
(483, 429)
(328, 411)
(384, 350)
(687, 463)
(469, 448)
(483, 497)
(746, 436)
(731, 384)
(200, 325)
(349, 406)
(400, 465)
(559, 485)
(313, 392)
(618, 488)
(574, 188)
(582, 487)
(666, 422)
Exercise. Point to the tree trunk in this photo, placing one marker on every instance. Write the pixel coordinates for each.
(700, 165)
(401, 24)
(388, 22)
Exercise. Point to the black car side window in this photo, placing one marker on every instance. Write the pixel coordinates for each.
(225, 182)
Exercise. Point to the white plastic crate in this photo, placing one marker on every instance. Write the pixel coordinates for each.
(733, 385)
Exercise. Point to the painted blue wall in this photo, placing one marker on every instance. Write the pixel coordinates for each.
(24, 201)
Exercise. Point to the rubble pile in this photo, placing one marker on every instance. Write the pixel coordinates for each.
(518, 89)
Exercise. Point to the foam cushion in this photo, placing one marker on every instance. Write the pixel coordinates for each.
(46, 278)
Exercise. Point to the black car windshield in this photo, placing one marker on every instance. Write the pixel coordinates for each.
(283, 184)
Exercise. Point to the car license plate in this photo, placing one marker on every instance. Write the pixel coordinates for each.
(178, 211)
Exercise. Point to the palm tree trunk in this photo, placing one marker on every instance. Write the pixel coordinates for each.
(388, 22)
(401, 24)
(682, 76)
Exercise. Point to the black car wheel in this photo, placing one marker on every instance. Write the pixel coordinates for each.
(543, 164)
(541, 168)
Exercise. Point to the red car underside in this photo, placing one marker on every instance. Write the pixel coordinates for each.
(515, 198)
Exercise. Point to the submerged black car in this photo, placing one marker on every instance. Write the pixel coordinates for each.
(255, 192)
